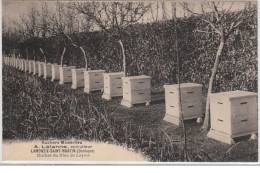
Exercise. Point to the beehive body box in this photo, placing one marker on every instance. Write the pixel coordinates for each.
(112, 85)
(55, 72)
(66, 74)
(47, 70)
(31, 66)
(233, 114)
(16, 63)
(191, 100)
(26, 65)
(21, 64)
(136, 89)
(35, 67)
(77, 78)
(41, 69)
(94, 80)
(12, 62)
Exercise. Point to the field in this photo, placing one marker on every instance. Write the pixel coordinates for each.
(34, 108)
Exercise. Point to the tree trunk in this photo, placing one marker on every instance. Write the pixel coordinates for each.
(85, 57)
(213, 74)
(124, 59)
(34, 54)
(173, 10)
(62, 56)
(27, 54)
(45, 59)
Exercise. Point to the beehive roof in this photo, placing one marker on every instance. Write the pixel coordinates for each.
(233, 94)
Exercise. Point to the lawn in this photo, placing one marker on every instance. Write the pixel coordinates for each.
(34, 108)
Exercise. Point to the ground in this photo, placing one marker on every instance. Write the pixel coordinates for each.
(141, 127)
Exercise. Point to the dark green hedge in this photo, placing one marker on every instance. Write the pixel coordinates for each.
(150, 50)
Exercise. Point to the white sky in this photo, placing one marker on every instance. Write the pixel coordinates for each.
(13, 10)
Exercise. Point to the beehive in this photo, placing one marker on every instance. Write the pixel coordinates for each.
(77, 78)
(35, 67)
(232, 114)
(5, 60)
(65, 74)
(21, 64)
(136, 89)
(26, 65)
(40, 69)
(31, 66)
(112, 85)
(55, 72)
(191, 102)
(93, 80)
(10, 62)
(16, 63)
(47, 70)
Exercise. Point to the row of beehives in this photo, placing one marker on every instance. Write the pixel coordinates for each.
(134, 89)
(233, 114)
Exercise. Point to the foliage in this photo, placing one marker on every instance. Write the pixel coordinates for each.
(150, 50)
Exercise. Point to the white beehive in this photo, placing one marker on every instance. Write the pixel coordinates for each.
(47, 70)
(35, 67)
(112, 85)
(11, 61)
(93, 80)
(66, 74)
(26, 65)
(191, 99)
(55, 72)
(136, 89)
(232, 114)
(16, 63)
(5, 60)
(77, 78)
(22, 64)
(31, 66)
(40, 69)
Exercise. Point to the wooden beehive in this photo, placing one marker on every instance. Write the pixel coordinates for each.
(66, 74)
(233, 114)
(31, 66)
(77, 78)
(5, 60)
(40, 69)
(16, 63)
(47, 70)
(191, 102)
(35, 67)
(94, 80)
(112, 85)
(136, 89)
(55, 72)
(26, 65)
(20, 64)
(11, 61)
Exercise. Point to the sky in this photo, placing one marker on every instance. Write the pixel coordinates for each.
(14, 9)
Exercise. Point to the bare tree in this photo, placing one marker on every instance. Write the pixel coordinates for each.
(116, 15)
(64, 21)
(174, 16)
(223, 23)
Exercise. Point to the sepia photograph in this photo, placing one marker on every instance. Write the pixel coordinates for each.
(129, 82)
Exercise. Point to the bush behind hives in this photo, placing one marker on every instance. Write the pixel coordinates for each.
(150, 50)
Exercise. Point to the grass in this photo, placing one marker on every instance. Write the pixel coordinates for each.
(34, 108)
